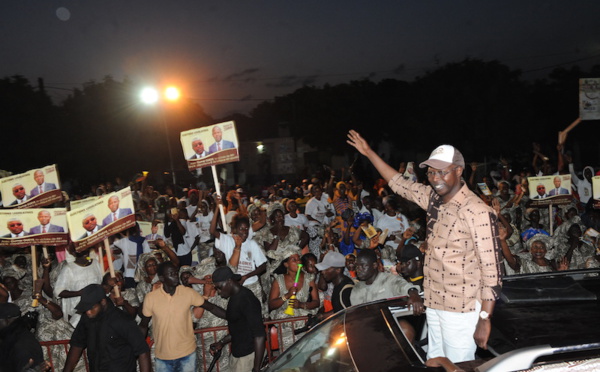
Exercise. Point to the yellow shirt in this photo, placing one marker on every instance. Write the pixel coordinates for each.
(171, 321)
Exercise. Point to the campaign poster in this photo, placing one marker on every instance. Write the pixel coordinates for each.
(26, 227)
(211, 145)
(546, 190)
(596, 191)
(95, 221)
(589, 99)
(152, 231)
(33, 189)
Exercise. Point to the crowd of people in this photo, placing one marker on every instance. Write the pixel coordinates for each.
(311, 248)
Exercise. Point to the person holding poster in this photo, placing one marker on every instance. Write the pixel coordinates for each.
(557, 190)
(16, 229)
(42, 186)
(198, 147)
(220, 143)
(115, 211)
(73, 277)
(19, 193)
(45, 226)
(90, 224)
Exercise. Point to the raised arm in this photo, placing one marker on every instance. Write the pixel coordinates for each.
(360, 144)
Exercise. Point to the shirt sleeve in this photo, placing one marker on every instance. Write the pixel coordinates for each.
(413, 191)
(145, 246)
(226, 244)
(79, 336)
(402, 286)
(258, 255)
(196, 298)
(148, 302)
(484, 228)
(254, 316)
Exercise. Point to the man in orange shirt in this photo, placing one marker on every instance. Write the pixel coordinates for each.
(169, 307)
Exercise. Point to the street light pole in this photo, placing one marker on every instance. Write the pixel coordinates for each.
(151, 96)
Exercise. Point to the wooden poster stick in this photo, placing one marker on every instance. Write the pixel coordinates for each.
(111, 268)
(218, 190)
(34, 272)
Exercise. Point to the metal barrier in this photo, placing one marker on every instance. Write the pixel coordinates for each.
(274, 343)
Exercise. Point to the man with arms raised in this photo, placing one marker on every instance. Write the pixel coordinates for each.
(169, 309)
(462, 267)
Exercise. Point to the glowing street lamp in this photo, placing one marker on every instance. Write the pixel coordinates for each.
(150, 96)
(172, 93)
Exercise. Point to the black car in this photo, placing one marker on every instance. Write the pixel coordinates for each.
(547, 321)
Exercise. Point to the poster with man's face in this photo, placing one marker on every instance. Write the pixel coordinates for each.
(210, 145)
(547, 190)
(596, 189)
(152, 231)
(95, 221)
(26, 227)
(32, 189)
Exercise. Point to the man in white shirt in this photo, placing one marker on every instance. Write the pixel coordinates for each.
(318, 209)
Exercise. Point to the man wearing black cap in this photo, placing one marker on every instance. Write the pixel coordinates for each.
(18, 346)
(462, 267)
(410, 265)
(113, 340)
(244, 320)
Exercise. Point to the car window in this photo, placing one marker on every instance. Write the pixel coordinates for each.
(323, 349)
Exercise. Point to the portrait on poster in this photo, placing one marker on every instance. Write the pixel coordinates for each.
(32, 189)
(24, 227)
(547, 190)
(96, 220)
(152, 231)
(210, 145)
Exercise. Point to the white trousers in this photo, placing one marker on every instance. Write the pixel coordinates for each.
(450, 334)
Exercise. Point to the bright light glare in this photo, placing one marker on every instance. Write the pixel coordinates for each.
(149, 96)
(172, 93)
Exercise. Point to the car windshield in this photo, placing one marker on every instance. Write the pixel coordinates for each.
(325, 348)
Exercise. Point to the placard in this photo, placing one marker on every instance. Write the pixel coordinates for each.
(26, 227)
(95, 221)
(33, 189)
(547, 190)
(210, 145)
(589, 99)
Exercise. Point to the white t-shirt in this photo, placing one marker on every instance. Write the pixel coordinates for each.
(395, 225)
(191, 232)
(318, 208)
(251, 256)
(300, 221)
(204, 226)
(130, 258)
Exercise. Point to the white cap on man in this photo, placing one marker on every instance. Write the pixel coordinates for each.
(332, 259)
(444, 156)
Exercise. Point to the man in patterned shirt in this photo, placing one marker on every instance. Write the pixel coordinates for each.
(462, 266)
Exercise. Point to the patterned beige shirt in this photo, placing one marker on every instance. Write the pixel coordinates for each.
(462, 262)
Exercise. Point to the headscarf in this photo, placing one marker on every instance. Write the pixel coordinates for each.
(550, 252)
(140, 270)
(281, 254)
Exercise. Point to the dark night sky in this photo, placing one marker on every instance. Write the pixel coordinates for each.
(224, 51)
